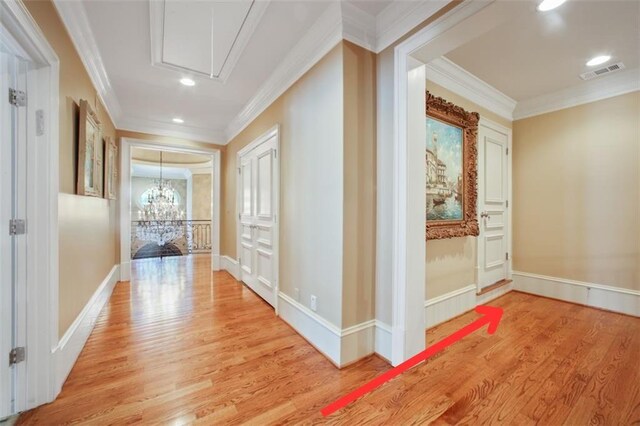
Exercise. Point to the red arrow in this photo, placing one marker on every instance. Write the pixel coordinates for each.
(490, 315)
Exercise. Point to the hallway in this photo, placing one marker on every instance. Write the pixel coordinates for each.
(181, 345)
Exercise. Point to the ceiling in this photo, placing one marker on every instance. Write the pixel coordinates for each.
(152, 95)
(537, 53)
(242, 54)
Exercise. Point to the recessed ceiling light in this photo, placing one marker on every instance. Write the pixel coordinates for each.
(178, 120)
(547, 5)
(187, 81)
(598, 60)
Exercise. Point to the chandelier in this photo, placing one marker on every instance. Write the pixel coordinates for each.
(160, 220)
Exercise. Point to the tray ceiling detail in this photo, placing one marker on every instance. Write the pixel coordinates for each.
(202, 38)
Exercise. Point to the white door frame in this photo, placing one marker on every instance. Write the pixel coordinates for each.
(125, 197)
(407, 259)
(274, 131)
(485, 122)
(22, 36)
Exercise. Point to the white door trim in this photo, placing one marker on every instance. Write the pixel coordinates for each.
(274, 131)
(405, 261)
(22, 35)
(125, 197)
(490, 124)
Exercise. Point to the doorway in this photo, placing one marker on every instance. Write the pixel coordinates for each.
(29, 76)
(206, 239)
(405, 267)
(257, 225)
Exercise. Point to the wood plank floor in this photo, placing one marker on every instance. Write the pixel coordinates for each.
(182, 345)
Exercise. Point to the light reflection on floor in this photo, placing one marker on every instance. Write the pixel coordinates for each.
(164, 286)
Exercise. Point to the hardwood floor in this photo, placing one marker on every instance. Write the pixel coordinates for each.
(182, 345)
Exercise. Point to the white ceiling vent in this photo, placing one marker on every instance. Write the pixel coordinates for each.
(602, 71)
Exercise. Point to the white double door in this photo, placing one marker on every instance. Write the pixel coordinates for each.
(493, 204)
(257, 226)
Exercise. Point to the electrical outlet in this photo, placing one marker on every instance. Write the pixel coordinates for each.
(296, 294)
(314, 303)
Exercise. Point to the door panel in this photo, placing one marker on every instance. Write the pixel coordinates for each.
(265, 183)
(492, 203)
(246, 218)
(258, 217)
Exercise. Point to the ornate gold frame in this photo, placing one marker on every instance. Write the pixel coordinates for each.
(110, 168)
(89, 133)
(440, 109)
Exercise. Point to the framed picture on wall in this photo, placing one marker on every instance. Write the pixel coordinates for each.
(110, 168)
(90, 152)
(451, 164)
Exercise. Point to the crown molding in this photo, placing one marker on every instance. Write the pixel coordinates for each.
(75, 20)
(622, 82)
(340, 21)
(134, 124)
(358, 26)
(323, 35)
(400, 17)
(460, 81)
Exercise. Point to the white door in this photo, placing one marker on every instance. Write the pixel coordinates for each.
(12, 243)
(257, 228)
(493, 190)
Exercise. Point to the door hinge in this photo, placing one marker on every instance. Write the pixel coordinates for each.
(16, 355)
(506, 256)
(507, 151)
(507, 203)
(17, 98)
(17, 227)
(239, 171)
(275, 153)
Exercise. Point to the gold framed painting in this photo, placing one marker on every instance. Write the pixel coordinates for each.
(90, 152)
(451, 162)
(110, 168)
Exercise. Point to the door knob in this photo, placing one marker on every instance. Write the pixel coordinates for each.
(485, 214)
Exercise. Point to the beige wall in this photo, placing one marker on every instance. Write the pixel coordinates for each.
(359, 244)
(310, 114)
(84, 262)
(451, 263)
(577, 193)
(201, 197)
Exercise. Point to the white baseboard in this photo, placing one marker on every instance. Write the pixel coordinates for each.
(357, 342)
(589, 294)
(341, 346)
(383, 340)
(442, 308)
(231, 266)
(71, 344)
(323, 335)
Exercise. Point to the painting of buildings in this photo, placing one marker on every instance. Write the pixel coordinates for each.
(444, 163)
